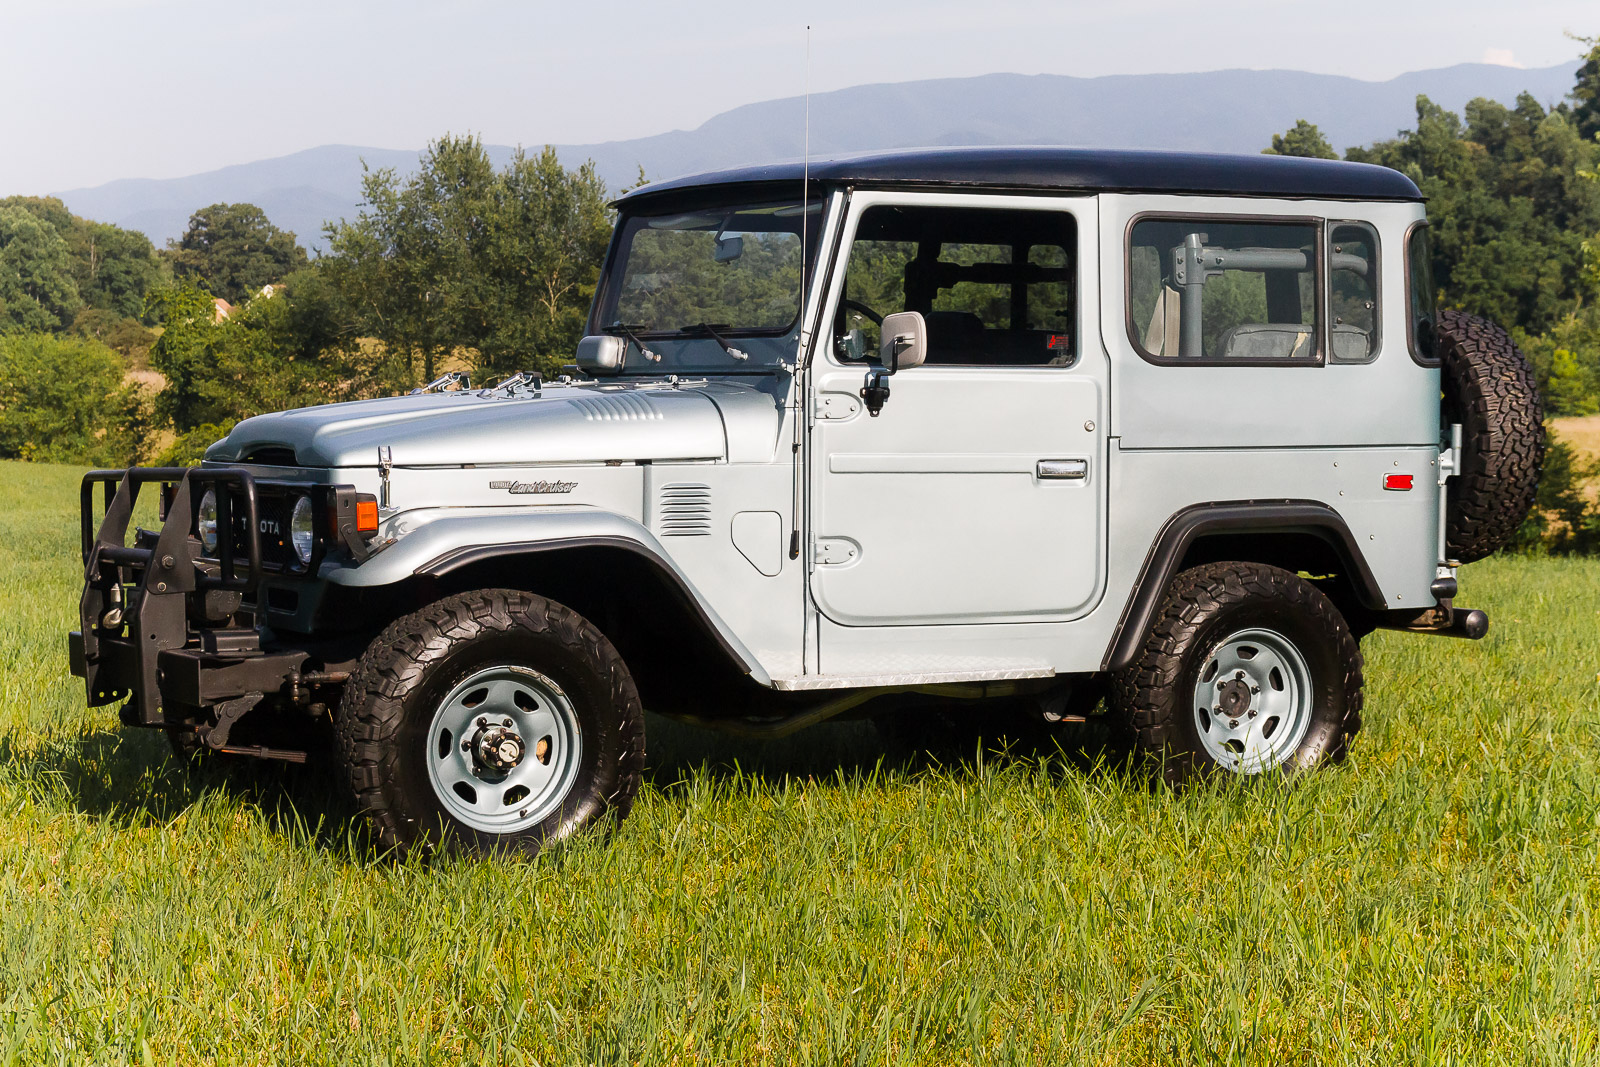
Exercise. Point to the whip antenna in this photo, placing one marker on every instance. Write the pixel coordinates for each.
(805, 337)
(805, 184)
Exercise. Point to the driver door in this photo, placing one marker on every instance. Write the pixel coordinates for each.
(977, 494)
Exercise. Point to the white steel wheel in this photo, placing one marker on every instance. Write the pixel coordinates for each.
(504, 749)
(1246, 668)
(1253, 701)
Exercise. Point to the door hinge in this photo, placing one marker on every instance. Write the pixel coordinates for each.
(832, 551)
(837, 406)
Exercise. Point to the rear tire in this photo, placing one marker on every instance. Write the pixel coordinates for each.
(488, 721)
(1248, 669)
(1490, 389)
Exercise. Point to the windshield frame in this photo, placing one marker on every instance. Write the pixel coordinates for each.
(725, 200)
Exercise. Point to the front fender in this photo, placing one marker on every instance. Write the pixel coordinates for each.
(435, 541)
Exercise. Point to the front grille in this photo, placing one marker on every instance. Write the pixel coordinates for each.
(274, 506)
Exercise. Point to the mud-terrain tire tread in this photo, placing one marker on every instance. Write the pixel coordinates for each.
(1150, 694)
(1490, 389)
(372, 709)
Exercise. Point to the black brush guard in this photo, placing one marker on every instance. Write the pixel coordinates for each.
(146, 633)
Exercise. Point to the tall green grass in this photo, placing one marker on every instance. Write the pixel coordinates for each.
(1434, 899)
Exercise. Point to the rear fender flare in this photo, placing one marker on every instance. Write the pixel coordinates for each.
(1199, 521)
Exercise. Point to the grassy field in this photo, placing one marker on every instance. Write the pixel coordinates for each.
(1434, 899)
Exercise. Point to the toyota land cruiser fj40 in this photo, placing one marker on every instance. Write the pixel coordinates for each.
(922, 432)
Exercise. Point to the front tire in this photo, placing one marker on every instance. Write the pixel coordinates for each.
(488, 721)
(1247, 669)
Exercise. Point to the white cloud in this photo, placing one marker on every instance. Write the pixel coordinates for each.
(1500, 57)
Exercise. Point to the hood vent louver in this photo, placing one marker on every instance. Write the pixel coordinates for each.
(617, 407)
(685, 510)
(271, 456)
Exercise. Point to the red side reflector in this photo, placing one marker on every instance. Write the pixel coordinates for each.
(367, 515)
(1397, 481)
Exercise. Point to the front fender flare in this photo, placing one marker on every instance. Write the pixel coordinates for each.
(440, 540)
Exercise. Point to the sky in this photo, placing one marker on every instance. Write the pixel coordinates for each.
(97, 90)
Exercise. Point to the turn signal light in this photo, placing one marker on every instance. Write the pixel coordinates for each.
(1397, 481)
(367, 515)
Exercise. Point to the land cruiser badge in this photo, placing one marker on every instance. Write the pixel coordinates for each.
(519, 488)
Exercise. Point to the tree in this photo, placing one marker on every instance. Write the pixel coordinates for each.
(497, 266)
(235, 250)
(111, 268)
(114, 268)
(1586, 93)
(1303, 140)
(291, 350)
(36, 288)
(61, 400)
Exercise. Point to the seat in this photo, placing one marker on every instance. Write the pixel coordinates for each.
(1268, 340)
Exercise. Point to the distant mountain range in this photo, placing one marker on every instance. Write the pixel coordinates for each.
(1229, 111)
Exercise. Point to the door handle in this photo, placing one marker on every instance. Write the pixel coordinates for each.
(1072, 469)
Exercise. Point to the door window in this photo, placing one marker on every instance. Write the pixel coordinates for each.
(996, 288)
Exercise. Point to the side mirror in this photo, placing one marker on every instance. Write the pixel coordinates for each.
(601, 354)
(904, 341)
(903, 345)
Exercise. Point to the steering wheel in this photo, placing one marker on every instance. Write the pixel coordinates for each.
(856, 305)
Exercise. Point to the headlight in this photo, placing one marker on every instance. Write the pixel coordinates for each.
(300, 533)
(206, 522)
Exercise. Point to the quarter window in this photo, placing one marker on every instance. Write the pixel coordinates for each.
(1420, 295)
(1209, 289)
(1353, 292)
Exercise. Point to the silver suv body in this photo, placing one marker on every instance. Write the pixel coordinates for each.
(944, 422)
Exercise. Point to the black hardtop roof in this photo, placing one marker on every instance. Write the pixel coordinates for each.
(1071, 169)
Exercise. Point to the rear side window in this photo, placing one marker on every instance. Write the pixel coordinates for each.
(1224, 291)
(1352, 292)
(1420, 294)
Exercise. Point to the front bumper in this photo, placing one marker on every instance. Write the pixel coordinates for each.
(171, 633)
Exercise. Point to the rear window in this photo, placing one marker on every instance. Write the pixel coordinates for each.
(1225, 291)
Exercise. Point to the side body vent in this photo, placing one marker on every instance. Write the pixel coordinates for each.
(685, 510)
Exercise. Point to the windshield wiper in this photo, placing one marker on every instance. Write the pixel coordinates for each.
(711, 332)
(619, 329)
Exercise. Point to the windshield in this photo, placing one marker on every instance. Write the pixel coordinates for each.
(703, 288)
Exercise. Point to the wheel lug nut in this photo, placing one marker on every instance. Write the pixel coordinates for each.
(1255, 689)
(483, 724)
(1252, 713)
(1233, 724)
(1239, 675)
(509, 724)
(466, 745)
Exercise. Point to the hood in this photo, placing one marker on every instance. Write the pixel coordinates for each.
(564, 424)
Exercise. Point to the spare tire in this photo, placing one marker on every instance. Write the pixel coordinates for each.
(1489, 388)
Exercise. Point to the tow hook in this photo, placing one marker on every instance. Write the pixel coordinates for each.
(1442, 620)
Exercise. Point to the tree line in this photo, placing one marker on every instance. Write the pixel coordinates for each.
(114, 351)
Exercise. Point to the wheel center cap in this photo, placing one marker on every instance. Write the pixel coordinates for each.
(1233, 698)
(498, 748)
